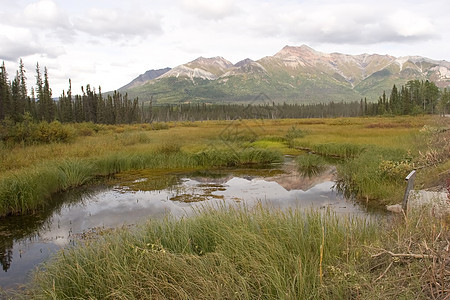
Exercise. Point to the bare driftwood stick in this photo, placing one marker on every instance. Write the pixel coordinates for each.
(411, 255)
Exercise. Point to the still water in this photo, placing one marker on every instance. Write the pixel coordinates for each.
(27, 241)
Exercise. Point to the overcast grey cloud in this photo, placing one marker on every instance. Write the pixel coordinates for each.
(109, 42)
(116, 24)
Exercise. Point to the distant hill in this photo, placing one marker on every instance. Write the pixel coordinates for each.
(143, 78)
(292, 75)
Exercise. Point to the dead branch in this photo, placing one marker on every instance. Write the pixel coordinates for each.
(410, 255)
(384, 273)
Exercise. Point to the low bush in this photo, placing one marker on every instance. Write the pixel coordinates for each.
(169, 148)
(29, 132)
(159, 126)
(292, 134)
(132, 138)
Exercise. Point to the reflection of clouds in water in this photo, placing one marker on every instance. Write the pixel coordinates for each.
(274, 195)
(26, 257)
(114, 208)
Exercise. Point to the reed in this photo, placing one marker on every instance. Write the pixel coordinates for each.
(105, 150)
(230, 253)
(363, 177)
(238, 253)
(292, 134)
(29, 189)
(310, 164)
(342, 150)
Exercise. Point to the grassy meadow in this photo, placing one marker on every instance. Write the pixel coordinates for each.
(240, 253)
(373, 155)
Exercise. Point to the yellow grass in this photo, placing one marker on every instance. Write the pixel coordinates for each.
(113, 139)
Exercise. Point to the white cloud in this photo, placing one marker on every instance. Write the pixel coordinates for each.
(411, 25)
(108, 42)
(116, 24)
(44, 14)
(210, 9)
(343, 23)
(16, 42)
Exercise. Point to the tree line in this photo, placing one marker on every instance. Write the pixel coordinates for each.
(90, 106)
(416, 97)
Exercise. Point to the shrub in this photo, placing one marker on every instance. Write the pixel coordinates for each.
(169, 148)
(292, 134)
(159, 126)
(28, 132)
(395, 170)
(52, 132)
(360, 176)
(133, 138)
(86, 128)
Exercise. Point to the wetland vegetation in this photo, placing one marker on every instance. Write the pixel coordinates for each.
(250, 253)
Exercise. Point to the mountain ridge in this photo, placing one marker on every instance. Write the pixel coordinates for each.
(293, 74)
(143, 78)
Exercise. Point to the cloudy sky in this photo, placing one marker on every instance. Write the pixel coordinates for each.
(110, 42)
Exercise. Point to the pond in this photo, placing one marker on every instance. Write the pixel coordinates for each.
(133, 197)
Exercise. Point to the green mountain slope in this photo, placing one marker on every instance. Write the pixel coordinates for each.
(293, 75)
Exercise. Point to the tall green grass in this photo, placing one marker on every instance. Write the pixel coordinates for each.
(29, 189)
(342, 150)
(292, 134)
(363, 177)
(228, 254)
(234, 253)
(235, 157)
(310, 164)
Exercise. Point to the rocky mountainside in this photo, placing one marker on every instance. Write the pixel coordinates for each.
(143, 78)
(293, 75)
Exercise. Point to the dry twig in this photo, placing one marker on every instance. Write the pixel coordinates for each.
(409, 255)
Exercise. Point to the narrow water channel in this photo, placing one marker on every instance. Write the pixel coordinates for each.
(133, 197)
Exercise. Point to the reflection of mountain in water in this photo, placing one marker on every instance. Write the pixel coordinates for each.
(293, 180)
(288, 177)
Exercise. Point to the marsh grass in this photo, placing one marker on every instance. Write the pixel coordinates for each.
(133, 138)
(236, 157)
(108, 149)
(292, 134)
(238, 253)
(361, 176)
(342, 150)
(74, 173)
(310, 164)
(230, 253)
(169, 147)
(29, 189)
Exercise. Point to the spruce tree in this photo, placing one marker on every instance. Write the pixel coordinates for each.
(23, 94)
(5, 93)
(39, 94)
(16, 107)
(49, 108)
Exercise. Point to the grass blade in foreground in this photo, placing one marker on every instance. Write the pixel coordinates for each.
(240, 254)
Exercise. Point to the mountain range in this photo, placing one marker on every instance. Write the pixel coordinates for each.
(293, 75)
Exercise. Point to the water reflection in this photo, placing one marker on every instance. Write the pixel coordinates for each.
(26, 241)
